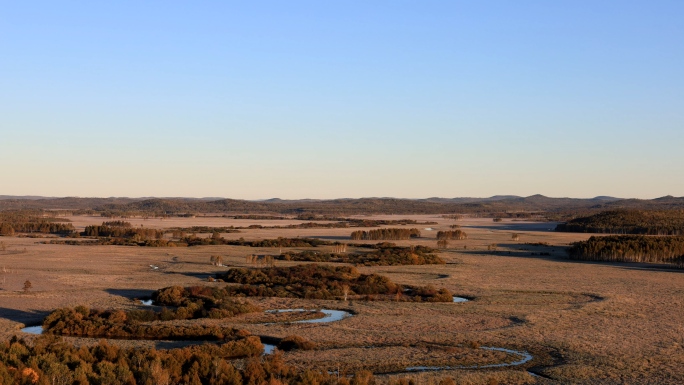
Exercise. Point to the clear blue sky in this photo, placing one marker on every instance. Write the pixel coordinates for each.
(323, 99)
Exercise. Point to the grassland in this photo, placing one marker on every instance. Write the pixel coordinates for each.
(584, 322)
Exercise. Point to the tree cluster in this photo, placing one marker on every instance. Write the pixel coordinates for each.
(203, 230)
(324, 282)
(117, 223)
(382, 256)
(136, 324)
(49, 360)
(643, 222)
(188, 303)
(452, 234)
(630, 248)
(31, 221)
(385, 234)
(139, 233)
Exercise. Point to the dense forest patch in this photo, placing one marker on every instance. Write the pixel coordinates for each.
(325, 282)
(187, 303)
(631, 248)
(48, 360)
(30, 222)
(83, 322)
(644, 222)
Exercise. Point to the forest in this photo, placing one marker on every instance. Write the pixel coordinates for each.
(122, 232)
(49, 360)
(386, 254)
(630, 248)
(538, 206)
(12, 222)
(315, 281)
(646, 222)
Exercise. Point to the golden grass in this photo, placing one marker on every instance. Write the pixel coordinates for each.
(583, 322)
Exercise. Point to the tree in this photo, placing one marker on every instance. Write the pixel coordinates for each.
(216, 260)
(27, 286)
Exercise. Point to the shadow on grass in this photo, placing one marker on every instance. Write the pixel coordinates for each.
(200, 275)
(330, 237)
(131, 293)
(536, 253)
(23, 316)
(513, 226)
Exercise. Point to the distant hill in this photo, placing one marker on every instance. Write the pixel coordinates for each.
(506, 205)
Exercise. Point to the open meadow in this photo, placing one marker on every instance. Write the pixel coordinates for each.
(581, 322)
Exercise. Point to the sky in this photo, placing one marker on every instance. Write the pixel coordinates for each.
(331, 99)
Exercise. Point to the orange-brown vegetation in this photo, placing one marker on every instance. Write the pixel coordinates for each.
(630, 248)
(387, 254)
(325, 282)
(385, 234)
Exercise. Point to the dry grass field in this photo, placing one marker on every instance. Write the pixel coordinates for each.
(582, 322)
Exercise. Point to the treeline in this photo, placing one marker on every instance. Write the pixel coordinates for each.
(44, 227)
(122, 232)
(32, 222)
(452, 234)
(642, 222)
(315, 281)
(201, 229)
(117, 224)
(630, 248)
(280, 242)
(260, 217)
(189, 241)
(383, 256)
(385, 234)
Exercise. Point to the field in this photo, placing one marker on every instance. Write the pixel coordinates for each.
(583, 322)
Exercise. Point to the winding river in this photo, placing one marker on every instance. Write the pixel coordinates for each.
(338, 315)
(330, 315)
(523, 357)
